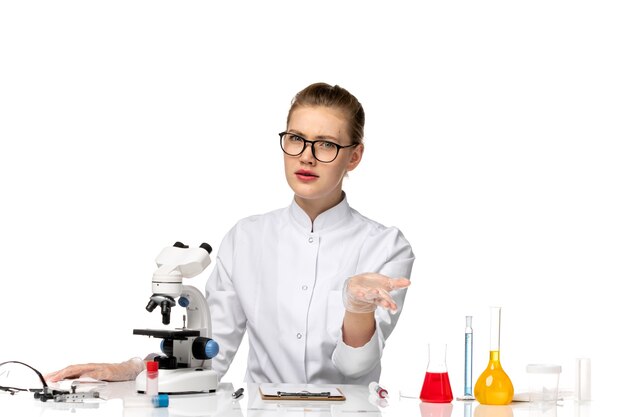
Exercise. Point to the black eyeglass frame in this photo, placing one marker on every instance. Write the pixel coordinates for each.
(338, 147)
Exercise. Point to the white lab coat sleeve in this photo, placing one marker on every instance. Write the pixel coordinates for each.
(227, 316)
(390, 254)
(355, 362)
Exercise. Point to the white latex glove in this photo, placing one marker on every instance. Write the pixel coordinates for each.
(363, 293)
(124, 371)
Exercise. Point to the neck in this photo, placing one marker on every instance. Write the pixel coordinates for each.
(314, 208)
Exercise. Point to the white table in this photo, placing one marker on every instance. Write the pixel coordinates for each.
(358, 403)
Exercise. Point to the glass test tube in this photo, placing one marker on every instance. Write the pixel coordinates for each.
(494, 331)
(469, 345)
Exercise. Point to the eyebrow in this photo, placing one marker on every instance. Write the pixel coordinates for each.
(319, 137)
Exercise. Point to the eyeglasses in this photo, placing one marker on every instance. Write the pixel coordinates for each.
(322, 150)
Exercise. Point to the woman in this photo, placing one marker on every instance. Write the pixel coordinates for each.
(305, 281)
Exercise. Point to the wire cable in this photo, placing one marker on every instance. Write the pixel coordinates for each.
(13, 390)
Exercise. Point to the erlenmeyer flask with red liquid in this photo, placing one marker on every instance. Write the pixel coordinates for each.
(436, 387)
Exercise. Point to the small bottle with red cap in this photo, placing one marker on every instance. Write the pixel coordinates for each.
(152, 378)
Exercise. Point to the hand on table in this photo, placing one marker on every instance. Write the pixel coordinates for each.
(124, 371)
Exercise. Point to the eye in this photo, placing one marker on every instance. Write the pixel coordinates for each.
(294, 138)
(326, 146)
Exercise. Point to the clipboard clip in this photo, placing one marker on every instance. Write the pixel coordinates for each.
(304, 394)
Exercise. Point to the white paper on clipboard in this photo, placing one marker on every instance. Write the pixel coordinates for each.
(270, 391)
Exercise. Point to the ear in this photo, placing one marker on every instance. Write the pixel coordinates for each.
(355, 157)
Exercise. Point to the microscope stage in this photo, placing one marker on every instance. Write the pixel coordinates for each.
(167, 334)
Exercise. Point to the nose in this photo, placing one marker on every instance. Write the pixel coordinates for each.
(307, 154)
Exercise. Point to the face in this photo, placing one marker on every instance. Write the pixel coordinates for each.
(318, 183)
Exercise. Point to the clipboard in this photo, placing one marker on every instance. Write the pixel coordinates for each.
(300, 392)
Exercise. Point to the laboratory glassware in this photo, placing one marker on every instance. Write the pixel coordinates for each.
(582, 381)
(493, 386)
(543, 382)
(469, 358)
(436, 387)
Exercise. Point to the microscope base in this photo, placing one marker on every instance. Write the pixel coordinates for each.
(181, 381)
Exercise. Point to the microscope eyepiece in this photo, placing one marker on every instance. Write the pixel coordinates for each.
(207, 247)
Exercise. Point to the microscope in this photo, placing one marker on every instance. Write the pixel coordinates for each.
(185, 366)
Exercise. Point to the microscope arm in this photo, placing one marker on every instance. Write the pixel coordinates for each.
(198, 316)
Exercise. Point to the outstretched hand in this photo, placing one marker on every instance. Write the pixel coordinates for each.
(124, 371)
(364, 292)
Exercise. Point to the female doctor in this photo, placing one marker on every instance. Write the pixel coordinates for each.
(314, 284)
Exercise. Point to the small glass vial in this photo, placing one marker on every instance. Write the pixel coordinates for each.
(142, 401)
(152, 378)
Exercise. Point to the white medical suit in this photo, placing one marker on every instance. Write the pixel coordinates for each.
(280, 278)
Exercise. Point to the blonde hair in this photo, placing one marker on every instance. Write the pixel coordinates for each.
(322, 94)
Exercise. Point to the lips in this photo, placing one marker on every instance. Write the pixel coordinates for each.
(305, 175)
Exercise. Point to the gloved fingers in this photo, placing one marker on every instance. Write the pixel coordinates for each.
(374, 280)
(354, 299)
(385, 300)
(51, 376)
(367, 300)
(373, 292)
(112, 372)
(108, 372)
(364, 292)
(102, 371)
(69, 372)
(124, 371)
(398, 283)
(101, 374)
(382, 299)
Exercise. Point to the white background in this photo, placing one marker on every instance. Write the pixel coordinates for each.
(494, 140)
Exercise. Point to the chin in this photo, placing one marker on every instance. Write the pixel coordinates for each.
(311, 192)
(303, 190)
(307, 195)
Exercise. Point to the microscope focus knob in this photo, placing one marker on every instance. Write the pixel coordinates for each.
(204, 348)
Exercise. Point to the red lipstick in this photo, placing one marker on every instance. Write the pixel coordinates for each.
(306, 175)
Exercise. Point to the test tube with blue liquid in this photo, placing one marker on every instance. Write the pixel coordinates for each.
(469, 346)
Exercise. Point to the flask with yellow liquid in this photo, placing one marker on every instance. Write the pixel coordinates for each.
(493, 386)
